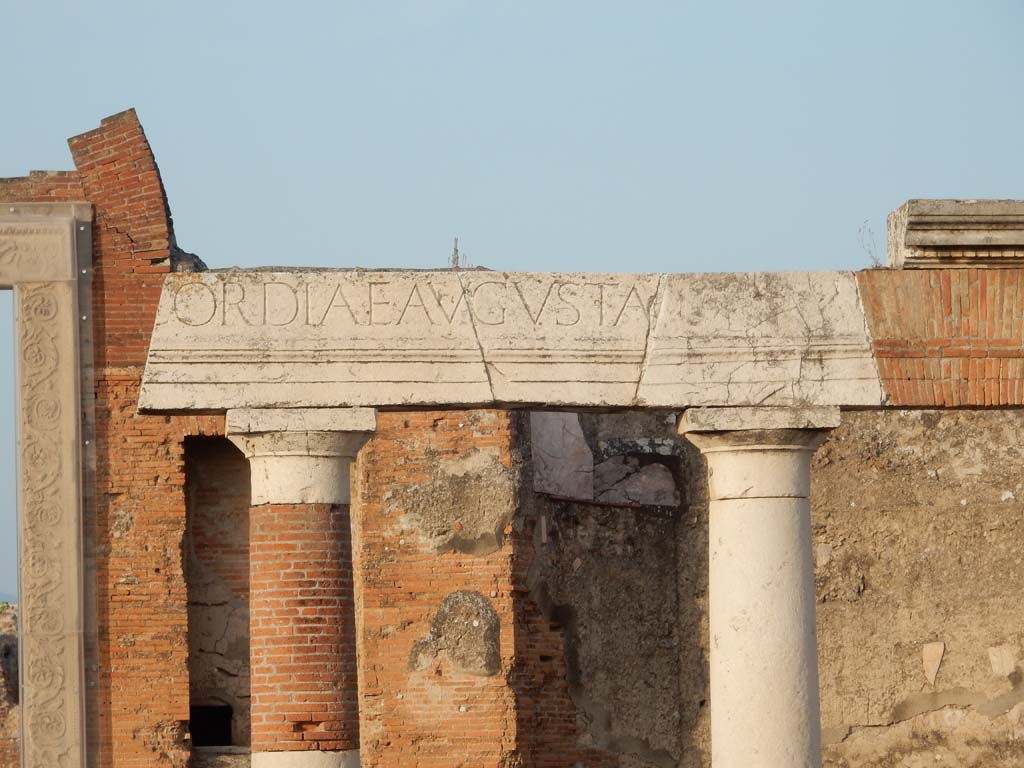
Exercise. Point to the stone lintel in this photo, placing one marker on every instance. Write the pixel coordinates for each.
(750, 419)
(253, 420)
(335, 338)
(957, 233)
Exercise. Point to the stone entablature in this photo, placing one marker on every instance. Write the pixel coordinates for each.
(323, 338)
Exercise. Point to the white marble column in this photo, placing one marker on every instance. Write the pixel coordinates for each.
(765, 710)
(304, 693)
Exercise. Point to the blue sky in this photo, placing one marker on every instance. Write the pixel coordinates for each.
(645, 136)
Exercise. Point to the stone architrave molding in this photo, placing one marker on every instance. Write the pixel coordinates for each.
(44, 249)
(329, 338)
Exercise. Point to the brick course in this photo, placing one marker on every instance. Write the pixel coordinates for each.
(947, 337)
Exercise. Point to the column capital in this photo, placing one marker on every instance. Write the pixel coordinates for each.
(300, 455)
(752, 452)
(697, 420)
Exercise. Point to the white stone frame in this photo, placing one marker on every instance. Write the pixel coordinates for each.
(45, 248)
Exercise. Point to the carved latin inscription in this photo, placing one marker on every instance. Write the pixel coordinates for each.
(357, 302)
(334, 338)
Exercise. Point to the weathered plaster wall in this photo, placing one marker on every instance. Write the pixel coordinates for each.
(217, 574)
(9, 709)
(918, 526)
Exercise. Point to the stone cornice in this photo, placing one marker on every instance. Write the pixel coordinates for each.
(964, 233)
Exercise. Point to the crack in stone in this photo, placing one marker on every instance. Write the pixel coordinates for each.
(476, 335)
(653, 315)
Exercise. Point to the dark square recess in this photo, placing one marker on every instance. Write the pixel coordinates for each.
(210, 725)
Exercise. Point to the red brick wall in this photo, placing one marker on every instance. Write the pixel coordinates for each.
(42, 187)
(521, 717)
(218, 506)
(132, 235)
(947, 337)
(302, 629)
(138, 514)
(436, 716)
(9, 752)
(139, 503)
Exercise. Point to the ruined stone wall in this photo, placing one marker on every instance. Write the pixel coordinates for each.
(139, 504)
(10, 721)
(614, 564)
(524, 608)
(917, 525)
(217, 575)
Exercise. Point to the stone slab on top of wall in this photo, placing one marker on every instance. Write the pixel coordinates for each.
(351, 337)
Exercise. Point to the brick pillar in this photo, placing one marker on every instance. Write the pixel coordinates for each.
(302, 612)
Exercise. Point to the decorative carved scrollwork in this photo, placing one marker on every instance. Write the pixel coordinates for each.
(49, 645)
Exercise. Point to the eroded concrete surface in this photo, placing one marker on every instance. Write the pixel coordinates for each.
(606, 573)
(466, 630)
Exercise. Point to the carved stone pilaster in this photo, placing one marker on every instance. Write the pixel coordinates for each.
(40, 245)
